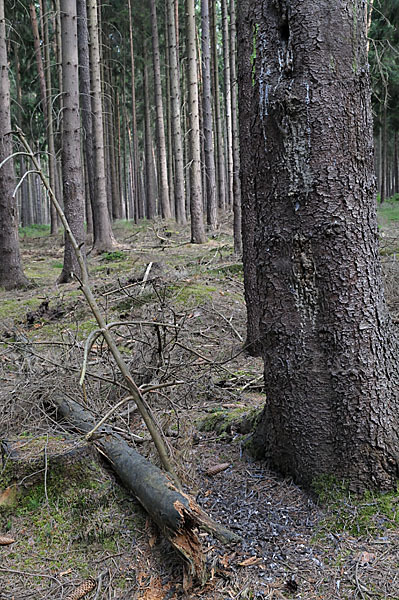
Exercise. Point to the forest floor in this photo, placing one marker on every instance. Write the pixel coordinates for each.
(73, 522)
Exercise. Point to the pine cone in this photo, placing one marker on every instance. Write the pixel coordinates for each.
(5, 540)
(81, 591)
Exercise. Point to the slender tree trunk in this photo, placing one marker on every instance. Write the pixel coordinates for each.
(329, 350)
(150, 187)
(210, 173)
(383, 189)
(235, 133)
(138, 200)
(169, 121)
(85, 105)
(103, 236)
(52, 160)
(163, 165)
(227, 100)
(38, 55)
(72, 176)
(396, 164)
(176, 115)
(220, 163)
(197, 220)
(11, 273)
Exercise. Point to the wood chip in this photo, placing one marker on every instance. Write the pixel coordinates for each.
(5, 540)
(248, 562)
(217, 469)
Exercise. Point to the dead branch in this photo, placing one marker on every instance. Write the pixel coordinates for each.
(176, 514)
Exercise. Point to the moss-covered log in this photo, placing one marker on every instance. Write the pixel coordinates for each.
(177, 515)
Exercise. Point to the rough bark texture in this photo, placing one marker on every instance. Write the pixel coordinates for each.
(197, 219)
(163, 165)
(72, 176)
(11, 274)
(102, 229)
(328, 345)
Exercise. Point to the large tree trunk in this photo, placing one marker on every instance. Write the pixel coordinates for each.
(11, 274)
(72, 176)
(327, 340)
(197, 219)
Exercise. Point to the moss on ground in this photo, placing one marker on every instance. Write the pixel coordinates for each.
(63, 520)
(241, 419)
(370, 513)
(190, 294)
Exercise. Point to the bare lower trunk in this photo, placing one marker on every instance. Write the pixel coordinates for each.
(72, 175)
(175, 115)
(197, 219)
(103, 236)
(210, 173)
(11, 274)
(163, 166)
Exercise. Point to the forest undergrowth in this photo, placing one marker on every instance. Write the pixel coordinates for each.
(179, 320)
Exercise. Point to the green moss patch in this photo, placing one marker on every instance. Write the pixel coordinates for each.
(367, 514)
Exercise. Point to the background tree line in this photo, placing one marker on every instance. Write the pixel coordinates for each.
(155, 108)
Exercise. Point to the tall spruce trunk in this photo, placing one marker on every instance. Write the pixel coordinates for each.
(227, 101)
(177, 139)
(72, 175)
(137, 198)
(85, 105)
(150, 187)
(220, 158)
(197, 218)
(210, 171)
(330, 353)
(163, 165)
(235, 132)
(11, 274)
(102, 228)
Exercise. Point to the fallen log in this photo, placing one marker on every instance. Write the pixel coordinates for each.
(177, 515)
